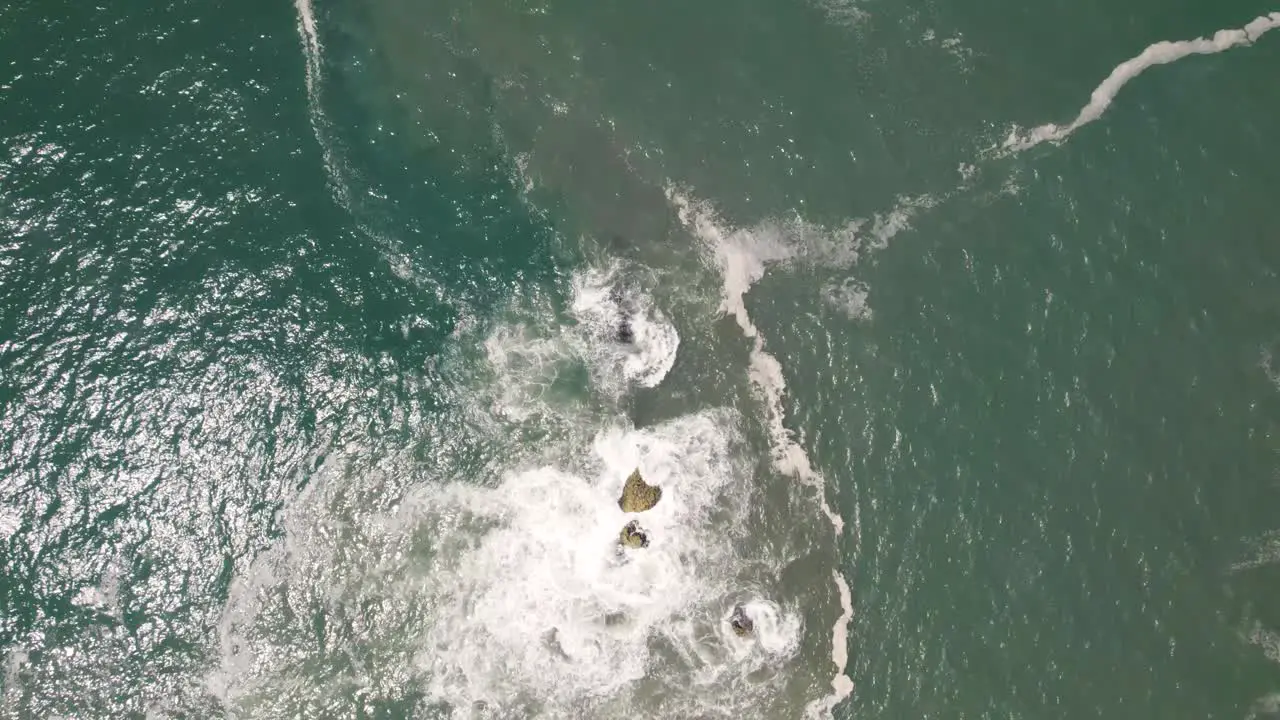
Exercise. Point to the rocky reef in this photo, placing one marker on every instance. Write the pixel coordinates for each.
(741, 622)
(637, 495)
(633, 535)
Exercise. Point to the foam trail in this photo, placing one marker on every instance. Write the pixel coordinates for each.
(312, 53)
(841, 685)
(743, 257)
(1158, 54)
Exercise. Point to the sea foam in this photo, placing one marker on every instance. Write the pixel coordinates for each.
(743, 256)
(1156, 54)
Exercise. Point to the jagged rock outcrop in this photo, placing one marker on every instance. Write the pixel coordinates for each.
(633, 536)
(637, 495)
(741, 622)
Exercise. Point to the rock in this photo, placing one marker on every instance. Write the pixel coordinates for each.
(615, 619)
(637, 495)
(741, 622)
(633, 536)
(625, 334)
(551, 639)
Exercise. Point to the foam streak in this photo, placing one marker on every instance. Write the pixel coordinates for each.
(742, 257)
(312, 52)
(1158, 54)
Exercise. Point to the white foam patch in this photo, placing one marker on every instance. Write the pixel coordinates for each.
(1267, 640)
(844, 12)
(546, 609)
(523, 176)
(14, 660)
(603, 305)
(1266, 362)
(953, 46)
(1266, 551)
(1268, 705)
(743, 256)
(1158, 54)
(529, 364)
(530, 359)
(775, 630)
(849, 296)
(10, 521)
(11, 686)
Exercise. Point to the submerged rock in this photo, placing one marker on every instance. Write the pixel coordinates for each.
(623, 332)
(637, 495)
(634, 536)
(741, 622)
(552, 641)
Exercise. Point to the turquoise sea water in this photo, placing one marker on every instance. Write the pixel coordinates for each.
(312, 400)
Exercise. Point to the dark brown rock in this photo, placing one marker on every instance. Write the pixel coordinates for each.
(741, 622)
(633, 535)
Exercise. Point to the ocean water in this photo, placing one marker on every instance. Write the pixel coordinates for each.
(951, 341)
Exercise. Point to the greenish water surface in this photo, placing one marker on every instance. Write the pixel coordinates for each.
(312, 402)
